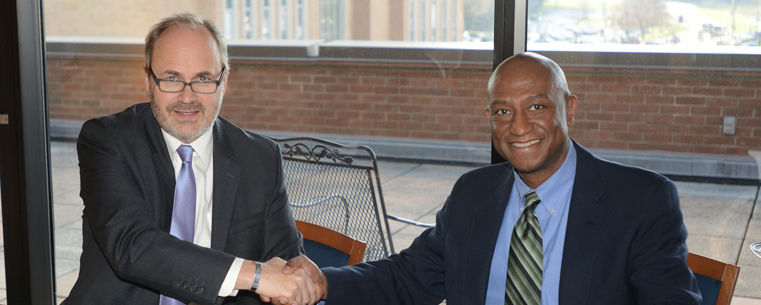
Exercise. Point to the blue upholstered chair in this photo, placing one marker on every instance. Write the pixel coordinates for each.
(328, 248)
(716, 279)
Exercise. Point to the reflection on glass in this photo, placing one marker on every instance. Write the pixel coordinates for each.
(684, 24)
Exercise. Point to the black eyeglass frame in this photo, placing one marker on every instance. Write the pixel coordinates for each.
(185, 84)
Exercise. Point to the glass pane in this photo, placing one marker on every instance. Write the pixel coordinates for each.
(671, 86)
(409, 82)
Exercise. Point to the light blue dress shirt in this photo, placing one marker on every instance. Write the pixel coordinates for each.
(555, 194)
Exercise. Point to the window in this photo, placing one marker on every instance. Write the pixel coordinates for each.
(266, 20)
(284, 25)
(249, 24)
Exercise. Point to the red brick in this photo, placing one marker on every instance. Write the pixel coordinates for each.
(740, 112)
(707, 91)
(615, 88)
(721, 102)
(705, 130)
(599, 135)
(704, 111)
(659, 100)
(677, 91)
(657, 137)
(691, 82)
(750, 103)
(324, 80)
(688, 139)
(719, 140)
(690, 120)
(661, 81)
(675, 109)
(585, 88)
(628, 117)
(600, 116)
(724, 83)
(645, 89)
(614, 126)
(630, 99)
(691, 100)
(739, 92)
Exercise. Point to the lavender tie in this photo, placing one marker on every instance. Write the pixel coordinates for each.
(184, 211)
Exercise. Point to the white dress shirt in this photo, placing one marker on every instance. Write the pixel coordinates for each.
(203, 170)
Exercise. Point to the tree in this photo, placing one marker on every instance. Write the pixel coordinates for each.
(640, 16)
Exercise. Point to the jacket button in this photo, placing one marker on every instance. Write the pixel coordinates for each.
(193, 288)
(179, 283)
(200, 290)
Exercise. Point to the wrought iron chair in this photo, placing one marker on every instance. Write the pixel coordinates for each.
(338, 187)
(716, 279)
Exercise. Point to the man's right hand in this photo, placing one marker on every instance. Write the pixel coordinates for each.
(304, 264)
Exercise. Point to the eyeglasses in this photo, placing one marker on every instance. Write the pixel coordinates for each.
(199, 86)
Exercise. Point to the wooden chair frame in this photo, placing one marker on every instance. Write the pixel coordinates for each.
(353, 247)
(725, 273)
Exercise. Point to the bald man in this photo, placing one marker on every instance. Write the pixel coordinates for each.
(609, 233)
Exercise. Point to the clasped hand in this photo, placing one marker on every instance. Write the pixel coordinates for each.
(292, 287)
(300, 266)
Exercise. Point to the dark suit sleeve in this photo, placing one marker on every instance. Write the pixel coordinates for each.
(121, 212)
(281, 239)
(414, 276)
(657, 261)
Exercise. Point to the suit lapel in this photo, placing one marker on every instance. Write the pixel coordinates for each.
(162, 165)
(585, 220)
(226, 181)
(484, 230)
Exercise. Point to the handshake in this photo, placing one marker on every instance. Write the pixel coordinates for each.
(297, 281)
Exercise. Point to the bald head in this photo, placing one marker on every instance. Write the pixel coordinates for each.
(525, 65)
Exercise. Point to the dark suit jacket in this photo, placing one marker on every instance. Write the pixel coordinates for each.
(127, 182)
(625, 244)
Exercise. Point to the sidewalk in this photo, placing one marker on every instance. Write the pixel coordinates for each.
(718, 217)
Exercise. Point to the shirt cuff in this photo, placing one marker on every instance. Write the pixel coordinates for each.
(228, 286)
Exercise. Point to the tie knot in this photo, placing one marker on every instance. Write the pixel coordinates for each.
(532, 200)
(186, 153)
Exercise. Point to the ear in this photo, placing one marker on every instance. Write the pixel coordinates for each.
(487, 111)
(570, 110)
(147, 81)
(224, 83)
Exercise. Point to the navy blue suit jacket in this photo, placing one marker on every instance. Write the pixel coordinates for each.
(625, 244)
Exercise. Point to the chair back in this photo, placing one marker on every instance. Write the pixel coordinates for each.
(716, 279)
(328, 248)
(337, 187)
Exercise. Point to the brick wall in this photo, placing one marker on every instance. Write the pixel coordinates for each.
(630, 109)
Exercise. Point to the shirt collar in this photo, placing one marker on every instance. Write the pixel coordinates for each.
(552, 191)
(203, 146)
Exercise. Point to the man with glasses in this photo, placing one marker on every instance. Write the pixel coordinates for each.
(182, 206)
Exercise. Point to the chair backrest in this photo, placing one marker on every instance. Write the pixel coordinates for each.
(338, 187)
(328, 248)
(716, 279)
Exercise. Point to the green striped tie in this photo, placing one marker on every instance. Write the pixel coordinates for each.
(524, 264)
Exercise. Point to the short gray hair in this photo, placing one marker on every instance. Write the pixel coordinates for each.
(185, 20)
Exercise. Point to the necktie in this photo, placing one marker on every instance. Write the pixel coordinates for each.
(524, 264)
(184, 210)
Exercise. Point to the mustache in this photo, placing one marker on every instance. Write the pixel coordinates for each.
(178, 106)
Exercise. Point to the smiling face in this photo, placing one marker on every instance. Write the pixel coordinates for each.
(186, 55)
(530, 112)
